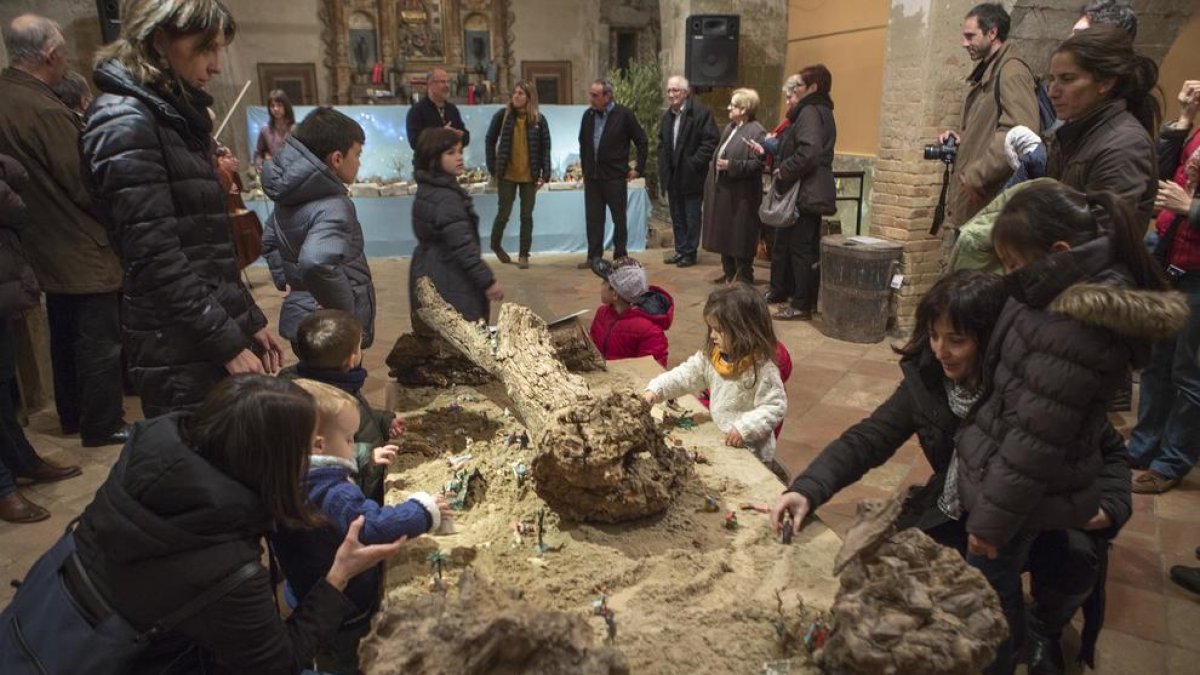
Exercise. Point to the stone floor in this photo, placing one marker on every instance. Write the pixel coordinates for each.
(834, 384)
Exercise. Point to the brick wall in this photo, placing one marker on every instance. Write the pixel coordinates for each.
(922, 94)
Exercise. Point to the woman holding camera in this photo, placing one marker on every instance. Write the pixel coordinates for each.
(805, 155)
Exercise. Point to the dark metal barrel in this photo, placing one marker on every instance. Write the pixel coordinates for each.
(855, 287)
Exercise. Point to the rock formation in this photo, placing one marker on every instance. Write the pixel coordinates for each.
(907, 604)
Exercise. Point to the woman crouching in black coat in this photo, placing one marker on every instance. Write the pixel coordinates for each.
(942, 379)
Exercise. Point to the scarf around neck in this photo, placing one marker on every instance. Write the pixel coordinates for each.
(727, 369)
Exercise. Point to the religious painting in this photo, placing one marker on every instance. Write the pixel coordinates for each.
(420, 30)
(297, 80)
(364, 42)
(551, 80)
(477, 43)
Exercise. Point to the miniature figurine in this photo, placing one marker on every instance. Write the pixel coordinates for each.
(541, 529)
(510, 438)
(711, 504)
(731, 522)
(454, 407)
(699, 458)
(436, 560)
(507, 412)
(610, 620)
(814, 639)
(519, 471)
(524, 439)
(785, 532)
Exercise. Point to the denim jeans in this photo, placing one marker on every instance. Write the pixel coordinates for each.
(508, 192)
(1167, 435)
(685, 222)
(1004, 575)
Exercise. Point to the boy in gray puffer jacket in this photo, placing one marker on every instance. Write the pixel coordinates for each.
(313, 241)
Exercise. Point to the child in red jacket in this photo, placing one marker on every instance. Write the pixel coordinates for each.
(635, 316)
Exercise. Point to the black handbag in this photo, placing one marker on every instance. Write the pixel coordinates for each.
(59, 623)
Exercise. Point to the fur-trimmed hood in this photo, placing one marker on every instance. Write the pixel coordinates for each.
(1152, 315)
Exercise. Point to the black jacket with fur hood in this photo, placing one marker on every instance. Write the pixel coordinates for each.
(1029, 454)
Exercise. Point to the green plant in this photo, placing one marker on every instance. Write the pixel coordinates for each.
(639, 87)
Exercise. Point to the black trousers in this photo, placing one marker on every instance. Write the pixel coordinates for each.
(597, 196)
(85, 355)
(794, 260)
(741, 269)
(17, 456)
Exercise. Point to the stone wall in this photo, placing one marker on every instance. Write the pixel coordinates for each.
(762, 48)
(922, 94)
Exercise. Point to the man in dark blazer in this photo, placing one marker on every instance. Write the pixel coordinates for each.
(435, 110)
(687, 138)
(604, 138)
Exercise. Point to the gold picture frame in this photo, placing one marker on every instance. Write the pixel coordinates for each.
(298, 80)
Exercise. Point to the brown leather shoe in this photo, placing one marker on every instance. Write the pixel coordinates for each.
(14, 508)
(47, 472)
(1153, 483)
(523, 262)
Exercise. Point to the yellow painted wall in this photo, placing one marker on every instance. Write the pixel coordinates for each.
(1181, 63)
(850, 38)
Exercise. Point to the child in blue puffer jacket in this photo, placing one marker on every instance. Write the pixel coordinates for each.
(305, 555)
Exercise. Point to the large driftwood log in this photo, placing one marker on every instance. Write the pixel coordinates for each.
(599, 459)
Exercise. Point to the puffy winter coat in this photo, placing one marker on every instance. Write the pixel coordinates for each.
(306, 555)
(1029, 453)
(313, 241)
(1107, 150)
(919, 407)
(185, 312)
(447, 252)
(754, 402)
(638, 331)
(167, 525)
(499, 145)
(806, 155)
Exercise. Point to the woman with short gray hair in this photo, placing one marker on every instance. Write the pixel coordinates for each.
(733, 191)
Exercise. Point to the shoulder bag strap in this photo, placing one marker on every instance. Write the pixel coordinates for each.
(223, 588)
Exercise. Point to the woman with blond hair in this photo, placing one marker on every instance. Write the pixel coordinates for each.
(733, 190)
(518, 156)
(188, 321)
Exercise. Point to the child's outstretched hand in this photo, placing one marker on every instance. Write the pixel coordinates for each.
(385, 455)
(649, 397)
(396, 428)
(734, 439)
(443, 505)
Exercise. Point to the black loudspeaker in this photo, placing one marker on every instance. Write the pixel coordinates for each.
(712, 50)
(109, 12)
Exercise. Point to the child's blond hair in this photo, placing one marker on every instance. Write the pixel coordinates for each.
(331, 401)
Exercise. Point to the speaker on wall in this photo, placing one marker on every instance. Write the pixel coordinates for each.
(711, 52)
(109, 12)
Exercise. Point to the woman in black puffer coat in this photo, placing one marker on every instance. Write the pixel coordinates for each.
(147, 145)
(447, 230)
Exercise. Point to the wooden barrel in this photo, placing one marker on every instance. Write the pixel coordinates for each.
(856, 278)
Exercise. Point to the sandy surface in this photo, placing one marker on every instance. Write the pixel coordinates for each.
(689, 594)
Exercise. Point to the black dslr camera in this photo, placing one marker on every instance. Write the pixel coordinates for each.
(945, 152)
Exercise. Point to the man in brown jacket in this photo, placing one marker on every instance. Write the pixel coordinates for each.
(67, 247)
(981, 169)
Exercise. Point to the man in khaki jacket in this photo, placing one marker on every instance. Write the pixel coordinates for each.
(67, 247)
(981, 169)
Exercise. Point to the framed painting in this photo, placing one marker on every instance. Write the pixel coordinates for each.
(297, 80)
(551, 80)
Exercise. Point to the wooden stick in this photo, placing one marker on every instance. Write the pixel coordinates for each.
(232, 108)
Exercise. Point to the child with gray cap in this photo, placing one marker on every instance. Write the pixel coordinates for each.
(635, 316)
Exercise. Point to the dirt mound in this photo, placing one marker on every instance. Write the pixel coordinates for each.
(481, 628)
